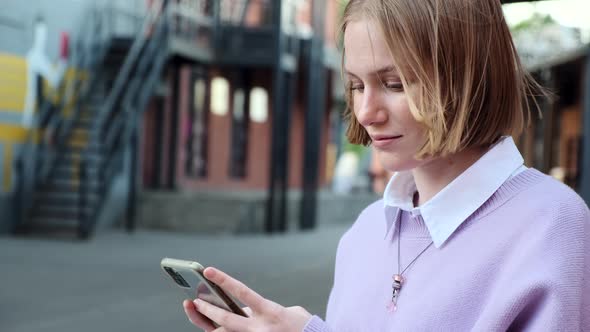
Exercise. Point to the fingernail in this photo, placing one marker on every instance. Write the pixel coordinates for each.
(212, 271)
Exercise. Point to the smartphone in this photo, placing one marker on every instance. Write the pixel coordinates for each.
(188, 275)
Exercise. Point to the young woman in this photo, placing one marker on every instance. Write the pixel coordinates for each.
(466, 237)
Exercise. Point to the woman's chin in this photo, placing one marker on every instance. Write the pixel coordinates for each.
(395, 165)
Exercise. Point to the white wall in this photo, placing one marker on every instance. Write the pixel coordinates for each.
(60, 15)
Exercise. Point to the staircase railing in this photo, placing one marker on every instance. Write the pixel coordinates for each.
(131, 91)
(115, 128)
(50, 126)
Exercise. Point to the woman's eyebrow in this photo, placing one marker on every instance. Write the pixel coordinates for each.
(386, 70)
(378, 72)
(349, 74)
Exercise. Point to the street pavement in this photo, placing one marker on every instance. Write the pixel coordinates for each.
(114, 282)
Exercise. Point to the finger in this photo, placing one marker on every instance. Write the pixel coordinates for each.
(236, 288)
(248, 311)
(221, 329)
(222, 317)
(196, 317)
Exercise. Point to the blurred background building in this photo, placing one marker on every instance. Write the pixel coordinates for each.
(221, 115)
(193, 114)
(553, 40)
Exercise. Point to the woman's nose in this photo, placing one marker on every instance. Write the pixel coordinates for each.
(372, 110)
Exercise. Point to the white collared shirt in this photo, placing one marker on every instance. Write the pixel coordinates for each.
(450, 207)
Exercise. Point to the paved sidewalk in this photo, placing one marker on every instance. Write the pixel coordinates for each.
(114, 282)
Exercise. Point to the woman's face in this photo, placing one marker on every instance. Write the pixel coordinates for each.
(380, 99)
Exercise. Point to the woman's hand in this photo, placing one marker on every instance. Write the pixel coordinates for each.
(264, 315)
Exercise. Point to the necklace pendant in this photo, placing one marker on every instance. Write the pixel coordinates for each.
(396, 288)
(391, 307)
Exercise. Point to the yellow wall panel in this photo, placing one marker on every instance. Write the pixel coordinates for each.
(9, 89)
(12, 61)
(12, 103)
(13, 76)
(12, 133)
(13, 82)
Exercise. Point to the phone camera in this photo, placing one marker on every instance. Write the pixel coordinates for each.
(177, 277)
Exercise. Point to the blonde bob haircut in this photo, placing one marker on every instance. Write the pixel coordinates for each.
(469, 87)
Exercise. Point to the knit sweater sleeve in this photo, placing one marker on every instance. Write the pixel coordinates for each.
(547, 282)
(563, 304)
(316, 324)
(346, 245)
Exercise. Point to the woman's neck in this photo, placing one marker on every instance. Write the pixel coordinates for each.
(436, 174)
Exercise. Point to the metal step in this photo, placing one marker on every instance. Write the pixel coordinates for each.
(78, 146)
(79, 138)
(114, 59)
(93, 104)
(92, 110)
(69, 185)
(65, 198)
(63, 212)
(74, 156)
(64, 170)
(75, 145)
(84, 128)
(38, 223)
(86, 122)
(80, 133)
(69, 165)
(121, 42)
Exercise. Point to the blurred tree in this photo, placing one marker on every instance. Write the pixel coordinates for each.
(537, 21)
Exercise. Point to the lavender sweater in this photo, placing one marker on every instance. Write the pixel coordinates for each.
(520, 262)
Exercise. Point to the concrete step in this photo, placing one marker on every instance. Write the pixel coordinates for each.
(238, 212)
(69, 228)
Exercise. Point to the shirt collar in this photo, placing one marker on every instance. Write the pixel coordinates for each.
(449, 208)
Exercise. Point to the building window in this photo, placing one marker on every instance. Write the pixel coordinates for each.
(219, 96)
(258, 105)
(239, 135)
(197, 142)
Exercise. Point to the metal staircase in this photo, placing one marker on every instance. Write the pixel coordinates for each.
(66, 168)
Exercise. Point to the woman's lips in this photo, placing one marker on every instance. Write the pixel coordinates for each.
(385, 141)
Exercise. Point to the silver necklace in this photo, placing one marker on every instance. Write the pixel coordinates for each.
(398, 278)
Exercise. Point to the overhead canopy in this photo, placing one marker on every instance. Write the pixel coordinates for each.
(515, 1)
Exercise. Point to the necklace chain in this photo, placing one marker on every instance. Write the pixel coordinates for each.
(399, 240)
(398, 278)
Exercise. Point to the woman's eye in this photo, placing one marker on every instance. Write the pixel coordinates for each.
(394, 86)
(357, 87)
